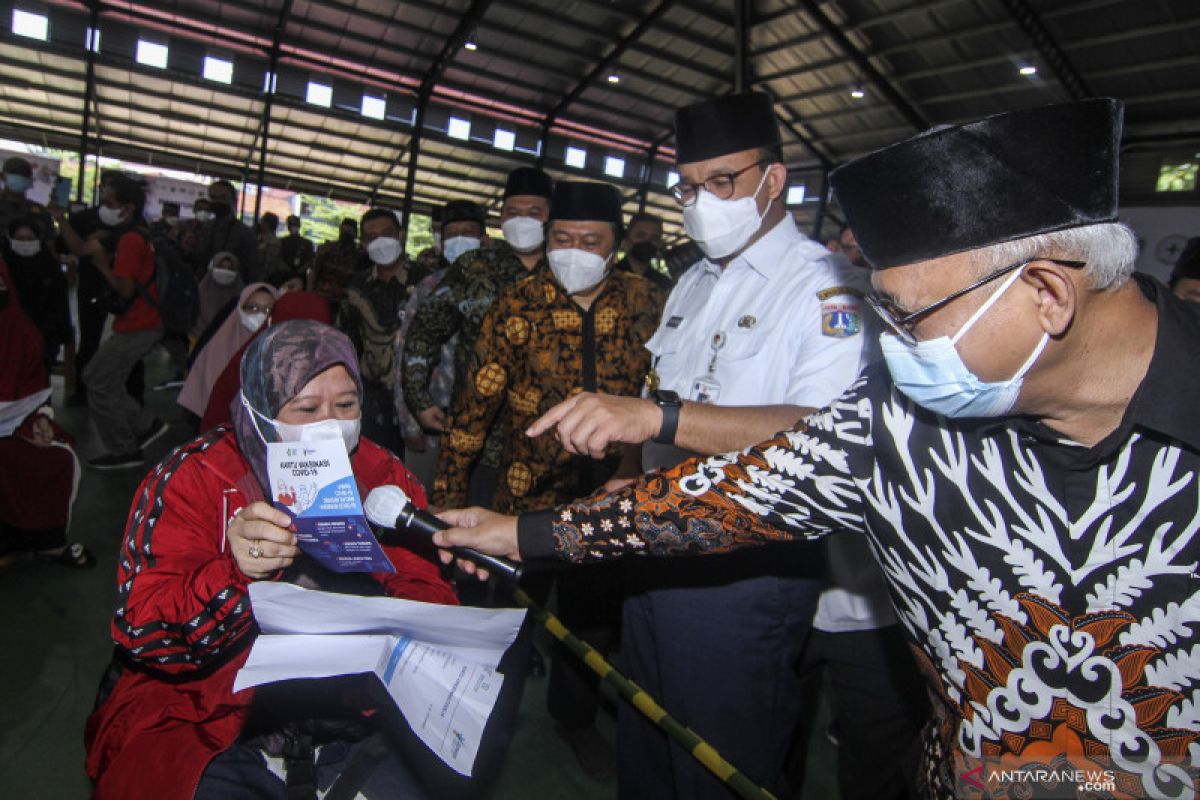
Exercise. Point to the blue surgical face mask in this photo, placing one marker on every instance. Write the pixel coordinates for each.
(16, 183)
(933, 374)
(455, 246)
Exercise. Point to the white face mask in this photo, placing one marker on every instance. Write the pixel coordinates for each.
(252, 321)
(523, 234)
(111, 217)
(172, 221)
(455, 246)
(224, 277)
(577, 270)
(722, 227)
(384, 251)
(204, 216)
(26, 248)
(348, 430)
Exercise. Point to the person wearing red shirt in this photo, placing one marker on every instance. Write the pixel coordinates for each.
(125, 258)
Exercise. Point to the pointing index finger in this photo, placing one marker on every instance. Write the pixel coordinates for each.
(551, 418)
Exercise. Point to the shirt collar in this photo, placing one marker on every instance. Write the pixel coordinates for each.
(1165, 401)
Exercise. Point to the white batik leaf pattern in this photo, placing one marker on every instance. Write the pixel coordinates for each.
(1187, 713)
(1034, 578)
(1177, 670)
(1166, 625)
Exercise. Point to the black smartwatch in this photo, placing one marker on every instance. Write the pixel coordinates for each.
(670, 404)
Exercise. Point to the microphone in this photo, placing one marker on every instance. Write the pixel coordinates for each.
(389, 507)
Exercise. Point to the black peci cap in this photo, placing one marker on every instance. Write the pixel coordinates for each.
(462, 211)
(586, 200)
(723, 125)
(528, 180)
(962, 187)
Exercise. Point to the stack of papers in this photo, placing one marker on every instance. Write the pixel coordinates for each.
(437, 662)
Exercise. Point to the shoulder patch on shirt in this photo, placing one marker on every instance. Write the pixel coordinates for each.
(838, 291)
(840, 319)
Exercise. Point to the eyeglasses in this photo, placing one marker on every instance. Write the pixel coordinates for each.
(254, 308)
(901, 323)
(720, 186)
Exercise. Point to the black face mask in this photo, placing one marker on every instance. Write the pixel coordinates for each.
(346, 237)
(644, 251)
(220, 210)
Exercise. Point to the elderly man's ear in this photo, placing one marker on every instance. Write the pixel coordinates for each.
(1057, 294)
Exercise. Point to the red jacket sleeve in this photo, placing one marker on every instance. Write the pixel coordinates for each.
(181, 599)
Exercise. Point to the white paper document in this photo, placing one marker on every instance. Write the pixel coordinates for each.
(438, 662)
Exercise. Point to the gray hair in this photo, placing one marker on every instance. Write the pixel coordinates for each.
(1109, 248)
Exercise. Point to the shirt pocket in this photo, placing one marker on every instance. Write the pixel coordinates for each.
(742, 344)
(665, 342)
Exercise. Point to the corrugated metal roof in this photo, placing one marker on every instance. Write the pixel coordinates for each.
(541, 71)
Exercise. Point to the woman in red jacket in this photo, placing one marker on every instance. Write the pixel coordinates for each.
(200, 530)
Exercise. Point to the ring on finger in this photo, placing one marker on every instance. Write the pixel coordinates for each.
(255, 551)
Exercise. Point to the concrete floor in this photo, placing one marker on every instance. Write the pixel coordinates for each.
(56, 643)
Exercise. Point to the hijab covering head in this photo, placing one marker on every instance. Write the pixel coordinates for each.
(300, 305)
(217, 351)
(962, 187)
(276, 366)
(289, 306)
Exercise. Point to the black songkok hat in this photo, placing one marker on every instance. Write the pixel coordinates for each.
(18, 166)
(1188, 265)
(723, 125)
(963, 187)
(585, 200)
(528, 180)
(462, 211)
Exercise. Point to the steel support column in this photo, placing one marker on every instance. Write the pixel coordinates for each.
(451, 46)
(741, 45)
(89, 93)
(269, 89)
(647, 173)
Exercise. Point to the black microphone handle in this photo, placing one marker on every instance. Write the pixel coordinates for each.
(427, 525)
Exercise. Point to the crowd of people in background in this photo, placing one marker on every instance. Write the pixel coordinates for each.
(459, 353)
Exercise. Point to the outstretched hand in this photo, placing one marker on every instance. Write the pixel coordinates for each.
(479, 529)
(588, 423)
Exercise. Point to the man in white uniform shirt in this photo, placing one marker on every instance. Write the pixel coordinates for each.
(768, 324)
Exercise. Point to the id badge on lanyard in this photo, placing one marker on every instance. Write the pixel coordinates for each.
(706, 388)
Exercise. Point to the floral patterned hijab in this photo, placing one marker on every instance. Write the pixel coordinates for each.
(276, 366)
